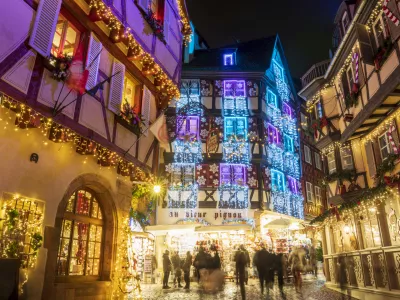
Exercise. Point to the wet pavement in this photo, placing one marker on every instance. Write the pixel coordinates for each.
(313, 289)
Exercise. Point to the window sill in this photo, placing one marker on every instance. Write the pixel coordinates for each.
(126, 125)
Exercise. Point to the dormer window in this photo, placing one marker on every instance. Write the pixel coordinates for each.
(345, 22)
(229, 59)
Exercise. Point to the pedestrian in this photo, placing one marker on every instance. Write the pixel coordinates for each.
(242, 260)
(167, 266)
(285, 266)
(200, 262)
(297, 262)
(270, 270)
(313, 261)
(217, 261)
(186, 269)
(279, 270)
(154, 266)
(176, 263)
(260, 260)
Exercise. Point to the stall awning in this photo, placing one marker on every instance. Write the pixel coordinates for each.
(222, 228)
(276, 220)
(164, 229)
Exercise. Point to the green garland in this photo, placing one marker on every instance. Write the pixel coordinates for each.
(347, 175)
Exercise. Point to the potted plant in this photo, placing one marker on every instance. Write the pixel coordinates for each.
(134, 119)
(155, 24)
(61, 65)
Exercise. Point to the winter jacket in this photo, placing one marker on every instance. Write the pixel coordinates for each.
(167, 266)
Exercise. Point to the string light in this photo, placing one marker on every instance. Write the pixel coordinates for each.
(384, 126)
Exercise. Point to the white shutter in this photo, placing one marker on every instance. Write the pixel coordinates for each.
(144, 4)
(166, 21)
(45, 26)
(116, 87)
(146, 109)
(93, 61)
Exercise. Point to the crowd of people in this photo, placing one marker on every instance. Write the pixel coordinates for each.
(266, 265)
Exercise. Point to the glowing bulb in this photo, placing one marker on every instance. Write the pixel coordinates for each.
(157, 189)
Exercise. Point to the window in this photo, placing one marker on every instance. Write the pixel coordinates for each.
(273, 134)
(232, 174)
(350, 77)
(188, 126)
(318, 164)
(236, 106)
(271, 99)
(345, 22)
(384, 145)
(235, 127)
(287, 110)
(309, 192)
(129, 93)
(318, 110)
(229, 59)
(303, 119)
(288, 143)
(331, 162)
(66, 38)
(81, 237)
(318, 198)
(379, 32)
(183, 174)
(190, 87)
(278, 181)
(293, 185)
(278, 71)
(307, 154)
(346, 157)
(234, 88)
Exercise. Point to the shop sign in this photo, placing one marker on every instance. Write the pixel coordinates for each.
(212, 142)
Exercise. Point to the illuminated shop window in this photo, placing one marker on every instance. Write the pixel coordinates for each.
(289, 147)
(235, 128)
(278, 181)
(66, 38)
(81, 246)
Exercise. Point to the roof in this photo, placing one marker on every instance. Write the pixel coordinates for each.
(253, 55)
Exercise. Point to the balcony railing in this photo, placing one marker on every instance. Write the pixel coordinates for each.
(315, 71)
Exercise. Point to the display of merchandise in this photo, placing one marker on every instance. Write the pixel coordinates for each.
(281, 246)
(142, 246)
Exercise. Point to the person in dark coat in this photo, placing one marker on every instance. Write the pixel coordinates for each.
(242, 260)
(186, 269)
(259, 260)
(217, 261)
(279, 258)
(176, 263)
(200, 262)
(167, 266)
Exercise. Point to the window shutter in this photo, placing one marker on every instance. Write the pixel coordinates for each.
(116, 87)
(240, 88)
(146, 109)
(45, 26)
(144, 4)
(395, 135)
(370, 159)
(361, 78)
(345, 85)
(166, 21)
(394, 30)
(366, 46)
(93, 61)
(377, 152)
(228, 88)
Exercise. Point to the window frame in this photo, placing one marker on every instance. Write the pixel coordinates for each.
(342, 158)
(282, 75)
(179, 171)
(232, 59)
(69, 21)
(235, 127)
(74, 217)
(309, 192)
(388, 146)
(319, 111)
(331, 171)
(317, 196)
(232, 178)
(288, 143)
(275, 135)
(282, 187)
(181, 133)
(376, 36)
(275, 100)
(318, 161)
(309, 161)
(350, 79)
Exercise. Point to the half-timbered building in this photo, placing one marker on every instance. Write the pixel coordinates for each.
(81, 81)
(353, 106)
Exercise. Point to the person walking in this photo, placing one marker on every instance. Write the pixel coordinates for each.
(176, 263)
(313, 261)
(200, 262)
(270, 270)
(279, 258)
(297, 262)
(186, 269)
(242, 260)
(260, 260)
(167, 266)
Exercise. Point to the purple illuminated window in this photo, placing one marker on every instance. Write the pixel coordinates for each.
(287, 110)
(228, 59)
(273, 134)
(188, 126)
(234, 88)
(232, 174)
(293, 186)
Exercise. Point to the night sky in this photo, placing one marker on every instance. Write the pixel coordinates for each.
(304, 26)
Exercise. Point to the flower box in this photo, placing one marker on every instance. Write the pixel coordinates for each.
(383, 53)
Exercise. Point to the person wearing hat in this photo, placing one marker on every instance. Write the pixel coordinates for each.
(167, 266)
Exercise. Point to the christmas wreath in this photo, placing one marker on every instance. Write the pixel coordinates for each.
(61, 64)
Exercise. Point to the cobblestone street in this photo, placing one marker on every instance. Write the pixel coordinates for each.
(312, 290)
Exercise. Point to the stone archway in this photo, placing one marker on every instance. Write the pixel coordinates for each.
(100, 187)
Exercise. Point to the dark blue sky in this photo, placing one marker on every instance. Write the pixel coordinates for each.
(304, 26)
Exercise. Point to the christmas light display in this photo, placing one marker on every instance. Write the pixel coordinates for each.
(187, 151)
